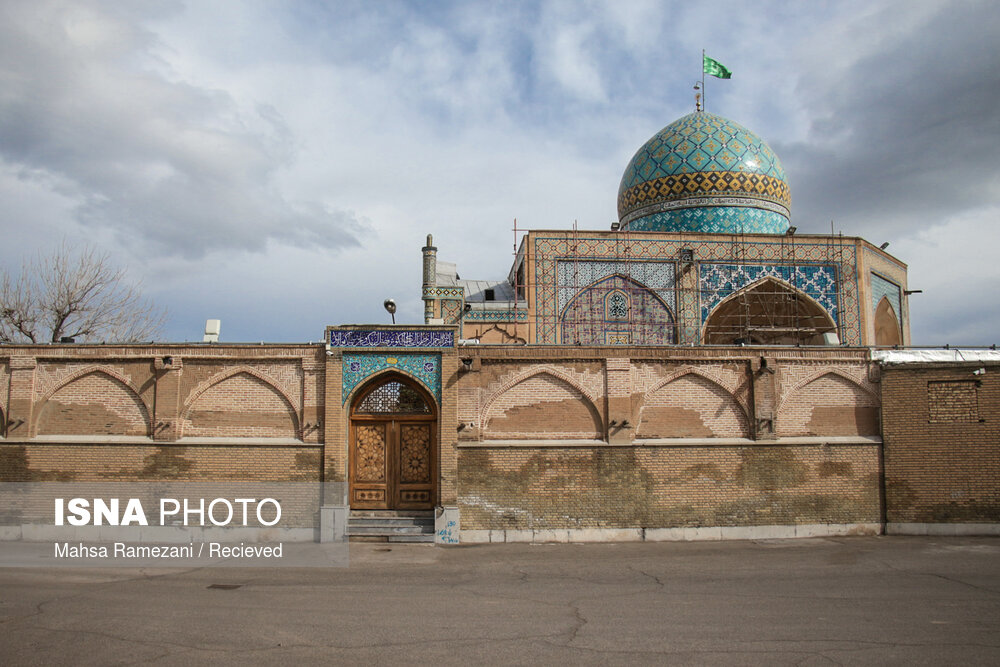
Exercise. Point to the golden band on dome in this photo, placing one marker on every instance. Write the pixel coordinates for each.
(683, 186)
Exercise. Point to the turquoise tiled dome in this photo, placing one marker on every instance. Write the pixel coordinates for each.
(704, 173)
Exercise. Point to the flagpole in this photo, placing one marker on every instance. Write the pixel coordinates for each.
(703, 79)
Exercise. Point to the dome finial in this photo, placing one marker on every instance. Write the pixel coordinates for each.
(697, 95)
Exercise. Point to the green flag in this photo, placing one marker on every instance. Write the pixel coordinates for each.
(715, 68)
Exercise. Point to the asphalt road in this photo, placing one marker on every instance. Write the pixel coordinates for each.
(858, 600)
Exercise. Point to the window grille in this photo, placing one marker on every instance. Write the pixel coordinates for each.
(393, 397)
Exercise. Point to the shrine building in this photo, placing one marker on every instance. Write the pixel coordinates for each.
(700, 370)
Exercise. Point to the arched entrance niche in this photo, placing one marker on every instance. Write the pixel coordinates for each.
(768, 312)
(393, 452)
(617, 310)
(886, 324)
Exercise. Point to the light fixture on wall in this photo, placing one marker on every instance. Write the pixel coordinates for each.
(884, 246)
(791, 230)
(390, 307)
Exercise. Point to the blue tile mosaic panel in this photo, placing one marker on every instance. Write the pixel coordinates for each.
(390, 337)
(713, 220)
(435, 291)
(719, 281)
(575, 276)
(425, 368)
(882, 288)
(496, 316)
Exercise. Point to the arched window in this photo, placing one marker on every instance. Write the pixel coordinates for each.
(616, 306)
(393, 397)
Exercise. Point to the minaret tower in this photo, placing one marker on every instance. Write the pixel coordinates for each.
(430, 278)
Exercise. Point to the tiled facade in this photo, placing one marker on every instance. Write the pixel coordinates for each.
(562, 264)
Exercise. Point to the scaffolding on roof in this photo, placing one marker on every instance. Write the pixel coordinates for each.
(602, 293)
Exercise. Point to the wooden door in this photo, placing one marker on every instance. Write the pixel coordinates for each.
(393, 453)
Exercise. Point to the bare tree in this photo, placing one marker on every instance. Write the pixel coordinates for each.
(78, 294)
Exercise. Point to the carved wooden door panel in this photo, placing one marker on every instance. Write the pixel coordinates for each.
(416, 465)
(392, 450)
(369, 472)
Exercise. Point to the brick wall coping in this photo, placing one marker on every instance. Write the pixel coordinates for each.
(659, 353)
(245, 442)
(813, 441)
(952, 355)
(963, 366)
(83, 440)
(500, 444)
(60, 349)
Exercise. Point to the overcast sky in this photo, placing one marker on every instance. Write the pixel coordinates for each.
(277, 165)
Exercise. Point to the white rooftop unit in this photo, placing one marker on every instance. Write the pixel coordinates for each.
(212, 329)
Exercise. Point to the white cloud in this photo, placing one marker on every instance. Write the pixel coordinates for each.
(163, 164)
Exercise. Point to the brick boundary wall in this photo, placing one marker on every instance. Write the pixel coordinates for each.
(941, 425)
(625, 441)
(180, 412)
(690, 443)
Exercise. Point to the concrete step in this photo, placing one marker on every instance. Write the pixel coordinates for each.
(390, 530)
(382, 514)
(427, 537)
(391, 525)
(394, 539)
